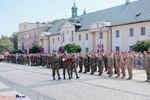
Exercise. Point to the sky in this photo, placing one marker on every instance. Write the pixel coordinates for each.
(14, 12)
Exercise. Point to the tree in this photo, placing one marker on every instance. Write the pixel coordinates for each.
(35, 49)
(141, 46)
(72, 47)
(6, 45)
(54, 21)
(17, 51)
(14, 39)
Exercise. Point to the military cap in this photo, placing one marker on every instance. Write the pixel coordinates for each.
(65, 50)
(129, 51)
(55, 51)
(73, 51)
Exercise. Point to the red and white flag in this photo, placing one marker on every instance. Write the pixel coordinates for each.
(123, 62)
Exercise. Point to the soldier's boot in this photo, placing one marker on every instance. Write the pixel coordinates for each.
(77, 77)
(100, 74)
(64, 77)
(69, 77)
(53, 77)
(59, 77)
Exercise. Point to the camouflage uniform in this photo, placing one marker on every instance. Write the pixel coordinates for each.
(110, 65)
(129, 63)
(147, 64)
(66, 66)
(55, 66)
(100, 65)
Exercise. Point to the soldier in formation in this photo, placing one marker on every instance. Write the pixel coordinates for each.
(92, 62)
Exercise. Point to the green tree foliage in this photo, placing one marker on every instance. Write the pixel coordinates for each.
(35, 49)
(72, 47)
(14, 39)
(17, 51)
(54, 21)
(141, 46)
(6, 45)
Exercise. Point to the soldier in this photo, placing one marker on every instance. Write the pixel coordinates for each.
(100, 65)
(114, 63)
(117, 62)
(129, 63)
(110, 64)
(73, 64)
(80, 63)
(66, 64)
(85, 63)
(92, 64)
(95, 61)
(122, 63)
(147, 65)
(55, 65)
(88, 65)
(28, 59)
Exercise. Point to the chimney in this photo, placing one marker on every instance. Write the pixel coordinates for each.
(127, 1)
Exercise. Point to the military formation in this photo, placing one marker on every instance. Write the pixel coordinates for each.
(112, 63)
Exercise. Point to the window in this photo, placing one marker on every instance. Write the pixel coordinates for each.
(87, 49)
(72, 36)
(79, 37)
(131, 48)
(53, 40)
(86, 37)
(142, 31)
(101, 35)
(131, 32)
(63, 37)
(117, 48)
(117, 33)
(58, 39)
(67, 32)
(37, 26)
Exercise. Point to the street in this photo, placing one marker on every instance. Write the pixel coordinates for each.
(36, 83)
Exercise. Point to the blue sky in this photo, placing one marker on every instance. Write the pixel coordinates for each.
(14, 12)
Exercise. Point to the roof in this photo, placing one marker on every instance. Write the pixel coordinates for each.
(133, 12)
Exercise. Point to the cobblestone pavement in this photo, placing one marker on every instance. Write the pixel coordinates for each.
(36, 84)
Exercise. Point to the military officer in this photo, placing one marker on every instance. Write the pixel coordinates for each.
(55, 65)
(85, 63)
(73, 65)
(66, 64)
(100, 65)
(88, 65)
(117, 62)
(92, 64)
(122, 64)
(147, 65)
(110, 64)
(129, 63)
(80, 63)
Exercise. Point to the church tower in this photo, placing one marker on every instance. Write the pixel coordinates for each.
(74, 10)
(74, 17)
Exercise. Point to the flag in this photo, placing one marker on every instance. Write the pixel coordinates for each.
(96, 39)
(22, 47)
(68, 39)
(123, 62)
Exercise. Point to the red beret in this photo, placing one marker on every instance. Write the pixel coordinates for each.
(122, 52)
(129, 51)
(148, 52)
